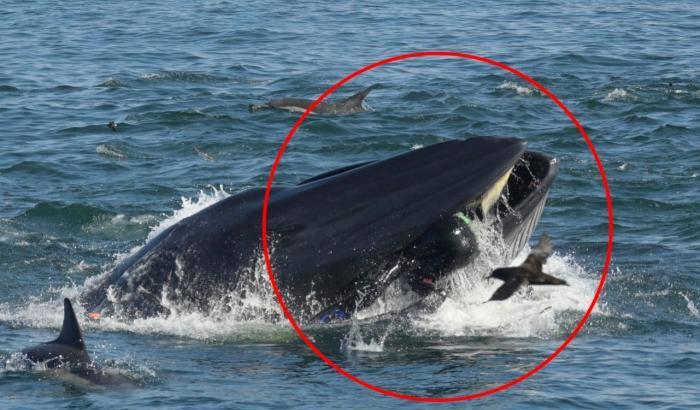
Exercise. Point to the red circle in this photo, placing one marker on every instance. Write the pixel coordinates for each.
(266, 200)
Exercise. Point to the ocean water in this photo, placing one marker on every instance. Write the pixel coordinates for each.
(178, 77)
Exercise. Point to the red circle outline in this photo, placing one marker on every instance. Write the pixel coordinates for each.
(266, 200)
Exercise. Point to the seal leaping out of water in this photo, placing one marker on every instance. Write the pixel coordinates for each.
(350, 105)
(529, 272)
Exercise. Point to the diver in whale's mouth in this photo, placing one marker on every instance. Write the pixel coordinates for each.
(342, 237)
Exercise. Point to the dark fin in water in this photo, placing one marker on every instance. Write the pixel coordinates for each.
(509, 288)
(70, 332)
(358, 98)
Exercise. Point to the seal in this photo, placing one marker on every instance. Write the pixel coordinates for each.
(528, 273)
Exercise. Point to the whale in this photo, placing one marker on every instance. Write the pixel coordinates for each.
(350, 105)
(68, 352)
(339, 239)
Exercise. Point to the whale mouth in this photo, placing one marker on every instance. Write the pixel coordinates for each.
(523, 199)
(517, 192)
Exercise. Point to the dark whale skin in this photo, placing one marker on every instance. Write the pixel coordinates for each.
(333, 235)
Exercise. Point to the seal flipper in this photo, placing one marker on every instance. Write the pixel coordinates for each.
(70, 331)
(509, 288)
(543, 279)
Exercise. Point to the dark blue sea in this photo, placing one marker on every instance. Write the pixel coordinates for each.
(177, 77)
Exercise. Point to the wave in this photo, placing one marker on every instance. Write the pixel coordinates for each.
(35, 168)
(110, 151)
(52, 221)
(112, 82)
(9, 89)
(119, 372)
(572, 58)
(692, 309)
(648, 92)
(91, 129)
(517, 88)
(66, 88)
(129, 80)
(177, 116)
(182, 76)
(422, 96)
(619, 94)
(71, 215)
(354, 340)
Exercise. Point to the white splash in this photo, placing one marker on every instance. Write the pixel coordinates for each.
(519, 89)
(80, 267)
(18, 362)
(533, 312)
(676, 91)
(249, 313)
(691, 306)
(355, 341)
(190, 207)
(618, 94)
(151, 76)
(145, 219)
(110, 151)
